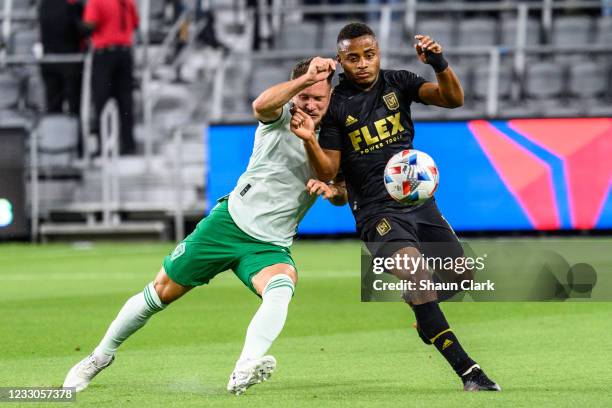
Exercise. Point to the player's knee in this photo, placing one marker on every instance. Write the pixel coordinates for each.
(419, 297)
(290, 272)
(274, 272)
(167, 290)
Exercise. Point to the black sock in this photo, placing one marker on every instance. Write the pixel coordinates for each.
(434, 326)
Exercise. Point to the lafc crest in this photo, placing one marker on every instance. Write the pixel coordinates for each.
(383, 227)
(391, 101)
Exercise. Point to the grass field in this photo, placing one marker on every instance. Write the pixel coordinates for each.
(57, 301)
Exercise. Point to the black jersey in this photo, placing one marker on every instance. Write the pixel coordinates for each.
(368, 128)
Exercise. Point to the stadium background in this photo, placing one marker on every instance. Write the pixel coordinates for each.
(199, 65)
(528, 154)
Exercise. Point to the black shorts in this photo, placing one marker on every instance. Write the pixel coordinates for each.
(423, 228)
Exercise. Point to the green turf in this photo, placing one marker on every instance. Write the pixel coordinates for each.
(57, 300)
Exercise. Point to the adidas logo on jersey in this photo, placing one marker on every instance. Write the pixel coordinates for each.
(350, 121)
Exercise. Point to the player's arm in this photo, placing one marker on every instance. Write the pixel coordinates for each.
(448, 92)
(91, 18)
(269, 105)
(324, 162)
(334, 191)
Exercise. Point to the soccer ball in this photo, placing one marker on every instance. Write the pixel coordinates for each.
(411, 177)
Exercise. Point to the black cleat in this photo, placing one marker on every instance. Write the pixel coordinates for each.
(476, 380)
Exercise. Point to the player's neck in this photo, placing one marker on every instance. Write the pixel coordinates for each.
(368, 87)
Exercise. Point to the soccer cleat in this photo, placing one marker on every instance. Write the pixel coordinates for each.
(83, 372)
(251, 373)
(476, 380)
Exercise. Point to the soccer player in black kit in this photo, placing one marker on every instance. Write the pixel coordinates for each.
(368, 121)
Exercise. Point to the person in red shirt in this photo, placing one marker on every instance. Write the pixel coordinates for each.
(112, 23)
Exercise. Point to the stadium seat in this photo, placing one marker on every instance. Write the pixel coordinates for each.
(14, 118)
(481, 82)
(571, 31)
(22, 42)
(544, 80)
(508, 32)
(302, 36)
(398, 37)
(545, 85)
(9, 91)
(35, 92)
(58, 139)
(329, 35)
(604, 31)
(587, 80)
(19, 5)
(440, 30)
(477, 32)
(264, 78)
(172, 107)
(157, 8)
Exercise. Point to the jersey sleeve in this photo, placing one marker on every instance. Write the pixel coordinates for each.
(135, 16)
(409, 83)
(283, 121)
(330, 136)
(92, 12)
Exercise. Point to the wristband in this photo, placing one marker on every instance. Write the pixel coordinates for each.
(436, 60)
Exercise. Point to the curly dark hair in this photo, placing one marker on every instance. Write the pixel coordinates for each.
(354, 30)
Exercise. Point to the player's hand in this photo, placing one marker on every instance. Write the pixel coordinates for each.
(320, 69)
(426, 45)
(317, 187)
(302, 124)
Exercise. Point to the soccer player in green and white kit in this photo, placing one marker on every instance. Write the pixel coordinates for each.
(250, 231)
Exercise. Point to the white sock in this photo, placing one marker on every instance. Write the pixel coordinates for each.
(132, 316)
(270, 318)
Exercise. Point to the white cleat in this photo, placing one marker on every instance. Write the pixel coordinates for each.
(83, 372)
(251, 373)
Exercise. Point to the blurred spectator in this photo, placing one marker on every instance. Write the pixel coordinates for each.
(112, 23)
(208, 35)
(262, 38)
(61, 31)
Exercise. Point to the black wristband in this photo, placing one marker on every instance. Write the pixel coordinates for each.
(436, 60)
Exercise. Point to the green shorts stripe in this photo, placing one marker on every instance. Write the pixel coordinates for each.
(216, 245)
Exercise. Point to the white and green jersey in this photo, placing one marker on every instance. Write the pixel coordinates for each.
(270, 198)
